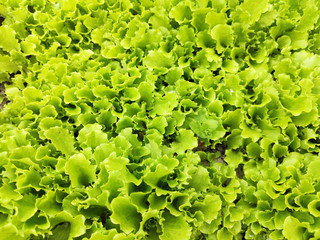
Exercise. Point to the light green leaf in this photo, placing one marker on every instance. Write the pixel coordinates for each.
(157, 202)
(9, 231)
(159, 123)
(165, 104)
(125, 214)
(175, 228)
(153, 178)
(48, 111)
(214, 18)
(185, 34)
(49, 122)
(309, 18)
(173, 75)
(102, 152)
(224, 234)
(8, 41)
(314, 169)
(233, 158)
(204, 40)
(32, 94)
(115, 163)
(75, 226)
(131, 93)
(181, 13)
(60, 231)
(97, 35)
(26, 207)
(314, 207)
(252, 10)
(222, 33)
(67, 5)
(29, 178)
(210, 207)
(207, 127)
(199, 16)
(146, 92)
(80, 171)
(61, 139)
(7, 65)
(92, 136)
(124, 123)
(200, 179)
(49, 204)
(299, 39)
(158, 59)
(184, 141)
(293, 229)
(304, 119)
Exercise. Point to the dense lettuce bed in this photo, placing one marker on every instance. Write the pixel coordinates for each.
(168, 120)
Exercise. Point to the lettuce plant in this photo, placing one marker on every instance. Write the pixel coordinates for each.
(159, 119)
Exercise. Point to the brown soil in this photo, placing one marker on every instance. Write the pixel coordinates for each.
(218, 148)
(3, 94)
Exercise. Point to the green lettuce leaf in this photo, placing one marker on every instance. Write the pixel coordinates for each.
(184, 141)
(125, 214)
(8, 40)
(80, 171)
(207, 127)
(174, 227)
(61, 139)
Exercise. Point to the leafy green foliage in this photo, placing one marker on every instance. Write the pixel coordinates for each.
(149, 119)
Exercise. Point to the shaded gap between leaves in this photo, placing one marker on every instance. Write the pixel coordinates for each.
(1, 20)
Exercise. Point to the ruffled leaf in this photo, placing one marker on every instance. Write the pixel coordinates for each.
(80, 171)
(174, 227)
(184, 141)
(8, 41)
(61, 139)
(125, 214)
